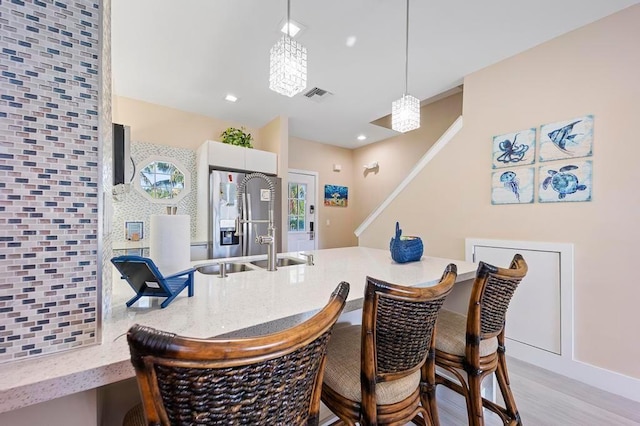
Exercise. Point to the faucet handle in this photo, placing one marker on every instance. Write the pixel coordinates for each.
(309, 257)
(238, 230)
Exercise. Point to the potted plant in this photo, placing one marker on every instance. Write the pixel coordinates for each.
(237, 137)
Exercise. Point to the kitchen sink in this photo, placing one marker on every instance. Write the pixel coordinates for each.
(230, 268)
(281, 261)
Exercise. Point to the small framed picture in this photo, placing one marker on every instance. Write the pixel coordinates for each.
(134, 231)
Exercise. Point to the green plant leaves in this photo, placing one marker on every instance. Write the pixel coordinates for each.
(234, 136)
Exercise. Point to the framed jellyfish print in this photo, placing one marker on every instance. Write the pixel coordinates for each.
(565, 182)
(512, 186)
(567, 139)
(514, 149)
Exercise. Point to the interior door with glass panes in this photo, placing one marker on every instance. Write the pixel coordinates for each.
(302, 211)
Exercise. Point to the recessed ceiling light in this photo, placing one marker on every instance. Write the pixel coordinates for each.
(230, 98)
(361, 137)
(351, 41)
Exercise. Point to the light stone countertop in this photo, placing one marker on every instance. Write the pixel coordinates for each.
(274, 300)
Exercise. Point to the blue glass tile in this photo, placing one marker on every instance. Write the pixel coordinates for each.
(71, 167)
(29, 163)
(27, 118)
(15, 337)
(85, 64)
(71, 210)
(15, 104)
(15, 221)
(85, 137)
(28, 278)
(5, 167)
(77, 279)
(53, 51)
(92, 164)
(72, 114)
(69, 339)
(72, 125)
(7, 97)
(86, 23)
(13, 197)
(18, 2)
(51, 138)
(86, 13)
(50, 271)
(86, 44)
(85, 85)
(28, 255)
(59, 80)
(66, 97)
(70, 296)
(52, 116)
(89, 320)
(78, 78)
(71, 253)
(33, 29)
(31, 73)
(51, 171)
(86, 33)
(51, 304)
(58, 155)
(92, 112)
(29, 129)
(27, 347)
(32, 18)
(52, 337)
(60, 69)
(3, 114)
(85, 96)
(34, 192)
(80, 152)
(35, 352)
(50, 204)
(66, 33)
(60, 4)
(24, 43)
(54, 30)
(94, 72)
(66, 43)
(8, 74)
(39, 3)
(51, 127)
(8, 156)
(30, 96)
(16, 82)
(78, 204)
(31, 141)
(52, 237)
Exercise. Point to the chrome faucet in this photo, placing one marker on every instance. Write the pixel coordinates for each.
(270, 238)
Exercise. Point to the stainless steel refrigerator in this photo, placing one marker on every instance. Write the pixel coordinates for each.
(223, 209)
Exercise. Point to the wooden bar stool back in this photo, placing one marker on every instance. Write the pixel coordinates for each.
(373, 371)
(266, 380)
(475, 344)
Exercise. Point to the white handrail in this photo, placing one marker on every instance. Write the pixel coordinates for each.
(428, 156)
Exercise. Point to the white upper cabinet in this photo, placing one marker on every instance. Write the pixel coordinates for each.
(225, 156)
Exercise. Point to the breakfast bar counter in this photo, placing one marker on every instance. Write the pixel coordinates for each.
(251, 299)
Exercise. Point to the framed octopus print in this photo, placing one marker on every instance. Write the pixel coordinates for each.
(512, 186)
(567, 181)
(514, 149)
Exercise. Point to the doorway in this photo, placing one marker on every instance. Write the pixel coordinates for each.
(302, 210)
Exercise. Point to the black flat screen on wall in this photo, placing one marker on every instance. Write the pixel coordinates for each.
(120, 154)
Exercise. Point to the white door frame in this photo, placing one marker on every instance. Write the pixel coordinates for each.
(315, 203)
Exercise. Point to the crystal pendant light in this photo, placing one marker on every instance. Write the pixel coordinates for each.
(288, 65)
(405, 112)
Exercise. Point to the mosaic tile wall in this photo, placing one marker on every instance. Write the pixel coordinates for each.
(49, 176)
(133, 206)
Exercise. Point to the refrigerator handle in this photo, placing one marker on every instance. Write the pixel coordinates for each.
(245, 227)
(249, 234)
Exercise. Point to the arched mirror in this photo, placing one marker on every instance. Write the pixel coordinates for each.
(163, 180)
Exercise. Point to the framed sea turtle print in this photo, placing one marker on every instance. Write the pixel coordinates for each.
(512, 186)
(566, 181)
(567, 139)
(514, 149)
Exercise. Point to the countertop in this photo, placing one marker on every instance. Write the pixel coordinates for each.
(250, 299)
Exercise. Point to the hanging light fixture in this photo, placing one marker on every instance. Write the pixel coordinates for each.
(405, 112)
(288, 65)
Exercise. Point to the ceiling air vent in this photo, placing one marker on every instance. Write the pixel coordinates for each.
(318, 95)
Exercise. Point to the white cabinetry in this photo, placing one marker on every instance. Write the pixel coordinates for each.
(225, 156)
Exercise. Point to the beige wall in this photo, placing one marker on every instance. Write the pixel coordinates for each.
(317, 157)
(168, 126)
(397, 156)
(593, 70)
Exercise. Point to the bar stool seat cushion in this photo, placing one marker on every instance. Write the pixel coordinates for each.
(451, 329)
(342, 371)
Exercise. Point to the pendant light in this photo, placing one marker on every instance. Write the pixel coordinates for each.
(405, 112)
(288, 65)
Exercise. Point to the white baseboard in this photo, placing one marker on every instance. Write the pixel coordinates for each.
(607, 380)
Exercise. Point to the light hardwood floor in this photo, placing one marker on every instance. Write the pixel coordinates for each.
(547, 399)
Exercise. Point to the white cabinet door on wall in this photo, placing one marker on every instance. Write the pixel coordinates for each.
(225, 156)
(534, 315)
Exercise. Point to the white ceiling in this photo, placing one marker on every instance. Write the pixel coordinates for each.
(188, 54)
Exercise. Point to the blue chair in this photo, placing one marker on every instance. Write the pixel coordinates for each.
(145, 279)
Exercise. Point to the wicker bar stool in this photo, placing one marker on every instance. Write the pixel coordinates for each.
(475, 344)
(373, 371)
(266, 380)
